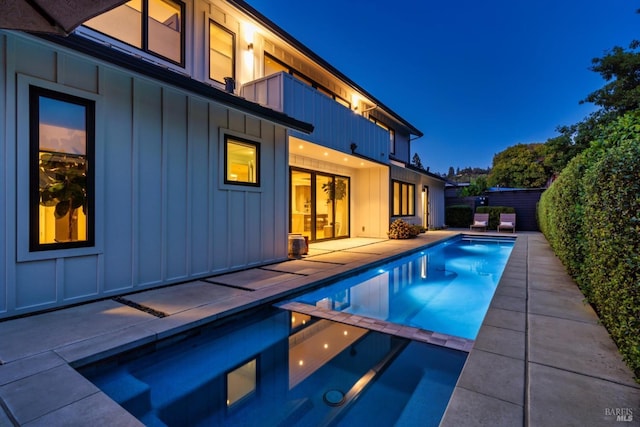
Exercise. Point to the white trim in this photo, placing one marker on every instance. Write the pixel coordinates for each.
(22, 172)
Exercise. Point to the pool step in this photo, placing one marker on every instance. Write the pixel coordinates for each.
(130, 393)
(409, 332)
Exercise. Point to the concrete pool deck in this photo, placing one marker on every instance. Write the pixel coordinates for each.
(541, 357)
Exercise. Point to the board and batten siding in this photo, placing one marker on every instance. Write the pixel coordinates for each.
(436, 195)
(163, 212)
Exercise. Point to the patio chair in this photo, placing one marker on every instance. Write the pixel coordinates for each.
(480, 221)
(507, 222)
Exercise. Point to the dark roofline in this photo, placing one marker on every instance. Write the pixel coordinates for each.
(138, 65)
(424, 172)
(253, 13)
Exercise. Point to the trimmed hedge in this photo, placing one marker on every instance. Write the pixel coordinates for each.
(591, 217)
(458, 216)
(494, 214)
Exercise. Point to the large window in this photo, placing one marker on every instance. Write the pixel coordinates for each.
(242, 161)
(222, 46)
(403, 198)
(155, 26)
(61, 160)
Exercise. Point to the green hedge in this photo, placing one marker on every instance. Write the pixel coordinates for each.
(591, 218)
(494, 214)
(458, 215)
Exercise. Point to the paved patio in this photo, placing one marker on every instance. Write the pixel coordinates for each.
(541, 358)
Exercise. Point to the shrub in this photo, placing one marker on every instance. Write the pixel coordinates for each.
(401, 229)
(458, 215)
(591, 217)
(494, 214)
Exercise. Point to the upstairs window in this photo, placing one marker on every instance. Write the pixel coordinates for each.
(155, 26)
(242, 161)
(222, 47)
(61, 168)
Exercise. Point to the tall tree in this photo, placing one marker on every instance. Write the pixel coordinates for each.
(519, 166)
(451, 172)
(620, 68)
(417, 162)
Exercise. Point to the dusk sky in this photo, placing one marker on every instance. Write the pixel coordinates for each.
(474, 77)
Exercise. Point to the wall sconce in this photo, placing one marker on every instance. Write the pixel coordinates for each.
(250, 46)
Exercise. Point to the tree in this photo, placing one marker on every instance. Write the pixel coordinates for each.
(621, 69)
(417, 162)
(519, 166)
(451, 173)
(475, 188)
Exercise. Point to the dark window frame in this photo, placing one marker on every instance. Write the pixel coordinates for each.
(144, 40)
(233, 50)
(258, 168)
(410, 208)
(35, 92)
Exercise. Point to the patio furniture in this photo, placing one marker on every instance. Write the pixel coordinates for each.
(507, 222)
(480, 222)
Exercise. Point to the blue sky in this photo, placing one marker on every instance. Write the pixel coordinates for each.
(474, 77)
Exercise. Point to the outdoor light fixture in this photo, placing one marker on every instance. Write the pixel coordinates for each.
(250, 46)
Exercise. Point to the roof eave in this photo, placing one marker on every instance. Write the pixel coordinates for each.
(132, 63)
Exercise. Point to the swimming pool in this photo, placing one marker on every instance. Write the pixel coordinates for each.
(280, 368)
(446, 288)
(277, 367)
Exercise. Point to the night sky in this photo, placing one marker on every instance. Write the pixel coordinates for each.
(474, 77)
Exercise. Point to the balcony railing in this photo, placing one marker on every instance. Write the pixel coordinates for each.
(335, 126)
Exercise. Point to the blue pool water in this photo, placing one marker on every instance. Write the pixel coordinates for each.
(280, 368)
(274, 367)
(446, 288)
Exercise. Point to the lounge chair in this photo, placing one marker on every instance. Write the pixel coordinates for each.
(480, 221)
(507, 222)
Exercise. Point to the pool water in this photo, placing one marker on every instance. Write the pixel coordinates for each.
(446, 288)
(274, 367)
(280, 368)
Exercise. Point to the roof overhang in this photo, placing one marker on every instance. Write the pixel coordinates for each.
(131, 63)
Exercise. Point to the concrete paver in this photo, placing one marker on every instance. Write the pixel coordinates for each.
(541, 357)
(559, 397)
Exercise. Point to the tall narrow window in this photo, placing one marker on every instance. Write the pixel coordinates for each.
(242, 158)
(403, 198)
(155, 26)
(222, 46)
(61, 170)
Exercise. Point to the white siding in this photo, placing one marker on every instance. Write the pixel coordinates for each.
(163, 212)
(436, 195)
(335, 126)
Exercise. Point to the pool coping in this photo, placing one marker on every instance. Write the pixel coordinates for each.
(512, 375)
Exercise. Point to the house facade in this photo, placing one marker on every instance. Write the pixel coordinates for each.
(167, 140)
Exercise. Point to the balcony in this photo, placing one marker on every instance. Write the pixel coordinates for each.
(335, 126)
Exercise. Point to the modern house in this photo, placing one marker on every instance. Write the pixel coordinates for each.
(169, 140)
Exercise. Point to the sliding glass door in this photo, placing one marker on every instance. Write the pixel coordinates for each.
(319, 205)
